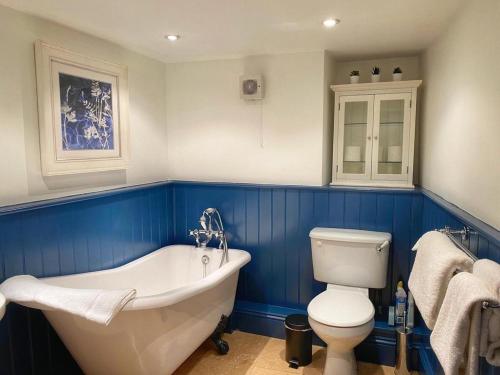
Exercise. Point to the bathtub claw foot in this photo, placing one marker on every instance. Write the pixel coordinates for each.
(216, 337)
(222, 346)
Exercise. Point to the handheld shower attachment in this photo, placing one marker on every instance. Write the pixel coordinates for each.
(203, 221)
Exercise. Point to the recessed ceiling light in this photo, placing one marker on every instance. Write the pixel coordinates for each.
(172, 37)
(330, 22)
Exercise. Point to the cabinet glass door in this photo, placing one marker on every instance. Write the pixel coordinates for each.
(354, 138)
(391, 133)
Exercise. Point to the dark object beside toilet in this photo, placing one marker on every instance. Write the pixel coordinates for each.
(298, 340)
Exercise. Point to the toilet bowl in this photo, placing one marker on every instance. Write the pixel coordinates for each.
(350, 261)
(342, 317)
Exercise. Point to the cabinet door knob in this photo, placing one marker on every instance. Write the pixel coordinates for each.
(369, 138)
(375, 137)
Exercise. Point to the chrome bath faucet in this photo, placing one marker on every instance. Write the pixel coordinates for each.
(204, 235)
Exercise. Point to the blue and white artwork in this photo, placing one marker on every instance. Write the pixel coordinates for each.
(86, 114)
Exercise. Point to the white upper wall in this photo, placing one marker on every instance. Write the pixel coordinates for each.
(214, 135)
(286, 139)
(328, 108)
(20, 173)
(460, 142)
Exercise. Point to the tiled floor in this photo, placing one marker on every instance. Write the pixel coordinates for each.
(258, 355)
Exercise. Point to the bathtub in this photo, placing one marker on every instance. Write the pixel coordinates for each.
(176, 308)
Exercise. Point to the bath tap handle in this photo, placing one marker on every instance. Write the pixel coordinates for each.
(196, 234)
(218, 233)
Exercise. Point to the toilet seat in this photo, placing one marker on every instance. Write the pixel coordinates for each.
(341, 308)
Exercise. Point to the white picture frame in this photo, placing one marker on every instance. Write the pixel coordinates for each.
(82, 110)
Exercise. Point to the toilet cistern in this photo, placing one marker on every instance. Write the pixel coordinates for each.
(350, 261)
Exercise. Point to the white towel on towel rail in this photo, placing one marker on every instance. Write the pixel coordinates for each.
(437, 260)
(96, 305)
(489, 272)
(493, 353)
(452, 331)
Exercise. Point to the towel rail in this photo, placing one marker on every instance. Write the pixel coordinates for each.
(464, 234)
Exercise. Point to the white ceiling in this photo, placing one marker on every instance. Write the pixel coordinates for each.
(212, 29)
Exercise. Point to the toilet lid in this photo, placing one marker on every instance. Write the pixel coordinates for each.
(341, 308)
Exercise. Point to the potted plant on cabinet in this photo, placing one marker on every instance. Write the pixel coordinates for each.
(354, 76)
(375, 74)
(397, 74)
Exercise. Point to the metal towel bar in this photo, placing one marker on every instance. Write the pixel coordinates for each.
(465, 236)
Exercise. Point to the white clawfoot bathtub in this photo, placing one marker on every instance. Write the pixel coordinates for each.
(174, 311)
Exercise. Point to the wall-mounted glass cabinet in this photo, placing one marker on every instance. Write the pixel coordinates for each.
(374, 134)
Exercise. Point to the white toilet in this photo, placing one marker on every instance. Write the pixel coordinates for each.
(350, 261)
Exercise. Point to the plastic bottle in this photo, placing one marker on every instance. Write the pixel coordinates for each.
(410, 316)
(390, 318)
(400, 303)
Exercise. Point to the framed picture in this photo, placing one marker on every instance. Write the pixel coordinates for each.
(83, 112)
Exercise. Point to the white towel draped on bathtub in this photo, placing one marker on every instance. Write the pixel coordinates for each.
(97, 305)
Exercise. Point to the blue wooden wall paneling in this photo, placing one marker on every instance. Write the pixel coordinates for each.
(275, 230)
(306, 209)
(271, 222)
(71, 238)
(292, 247)
(277, 221)
(250, 224)
(435, 216)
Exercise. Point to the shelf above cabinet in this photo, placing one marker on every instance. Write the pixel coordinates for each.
(392, 85)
